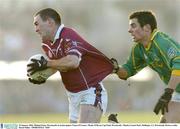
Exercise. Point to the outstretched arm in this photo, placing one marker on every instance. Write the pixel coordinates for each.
(120, 71)
(174, 81)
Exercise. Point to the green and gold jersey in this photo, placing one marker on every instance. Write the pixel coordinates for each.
(162, 55)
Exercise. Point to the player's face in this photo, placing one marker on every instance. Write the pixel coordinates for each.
(42, 28)
(136, 31)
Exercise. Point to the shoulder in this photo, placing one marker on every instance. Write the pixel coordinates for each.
(162, 38)
(68, 31)
(167, 45)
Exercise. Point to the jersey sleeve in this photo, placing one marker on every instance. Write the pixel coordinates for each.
(170, 50)
(73, 48)
(135, 61)
(176, 66)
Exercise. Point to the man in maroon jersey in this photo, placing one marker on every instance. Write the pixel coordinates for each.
(82, 66)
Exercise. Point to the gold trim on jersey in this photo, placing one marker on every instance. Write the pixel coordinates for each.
(176, 72)
(153, 34)
(133, 57)
(177, 58)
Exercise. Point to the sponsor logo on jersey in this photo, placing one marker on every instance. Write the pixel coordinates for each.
(171, 52)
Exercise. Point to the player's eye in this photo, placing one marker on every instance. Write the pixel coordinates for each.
(35, 23)
(133, 25)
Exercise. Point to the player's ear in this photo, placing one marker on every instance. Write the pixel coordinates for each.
(147, 28)
(50, 21)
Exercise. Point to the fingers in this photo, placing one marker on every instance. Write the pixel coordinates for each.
(42, 58)
(115, 65)
(157, 108)
(35, 81)
(114, 61)
(33, 64)
(41, 82)
(31, 71)
(35, 60)
(162, 109)
(32, 68)
(167, 108)
(31, 80)
(30, 65)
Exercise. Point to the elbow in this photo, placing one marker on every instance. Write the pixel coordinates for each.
(73, 65)
(72, 62)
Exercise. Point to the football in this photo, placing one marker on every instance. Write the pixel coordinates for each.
(40, 75)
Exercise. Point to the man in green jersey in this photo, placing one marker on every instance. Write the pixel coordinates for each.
(161, 53)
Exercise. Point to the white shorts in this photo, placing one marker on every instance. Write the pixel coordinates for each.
(175, 97)
(85, 97)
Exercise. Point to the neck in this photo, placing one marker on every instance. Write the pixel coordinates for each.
(146, 40)
(54, 30)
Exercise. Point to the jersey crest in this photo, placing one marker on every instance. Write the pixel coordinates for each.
(171, 52)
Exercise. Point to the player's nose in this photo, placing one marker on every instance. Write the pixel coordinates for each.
(130, 30)
(37, 30)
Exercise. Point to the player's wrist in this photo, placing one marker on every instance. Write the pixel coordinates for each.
(169, 90)
(166, 97)
(115, 65)
(44, 62)
(31, 80)
(115, 70)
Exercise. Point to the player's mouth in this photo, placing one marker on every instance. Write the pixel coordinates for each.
(133, 37)
(39, 33)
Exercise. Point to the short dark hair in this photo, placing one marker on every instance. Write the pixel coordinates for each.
(144, 18)
(49, 13)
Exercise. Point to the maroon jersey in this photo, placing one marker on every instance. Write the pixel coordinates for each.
(93, 68)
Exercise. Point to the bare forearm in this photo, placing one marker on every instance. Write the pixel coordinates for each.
(64, 64)
(174, 81)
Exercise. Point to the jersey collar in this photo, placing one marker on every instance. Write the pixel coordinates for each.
(58, 33)
(153, 34)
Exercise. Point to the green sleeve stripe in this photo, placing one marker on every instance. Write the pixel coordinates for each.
(162, 54)
(136, 66)
(176, 58)
(153, 34)
(170, 42)
(133, 58)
